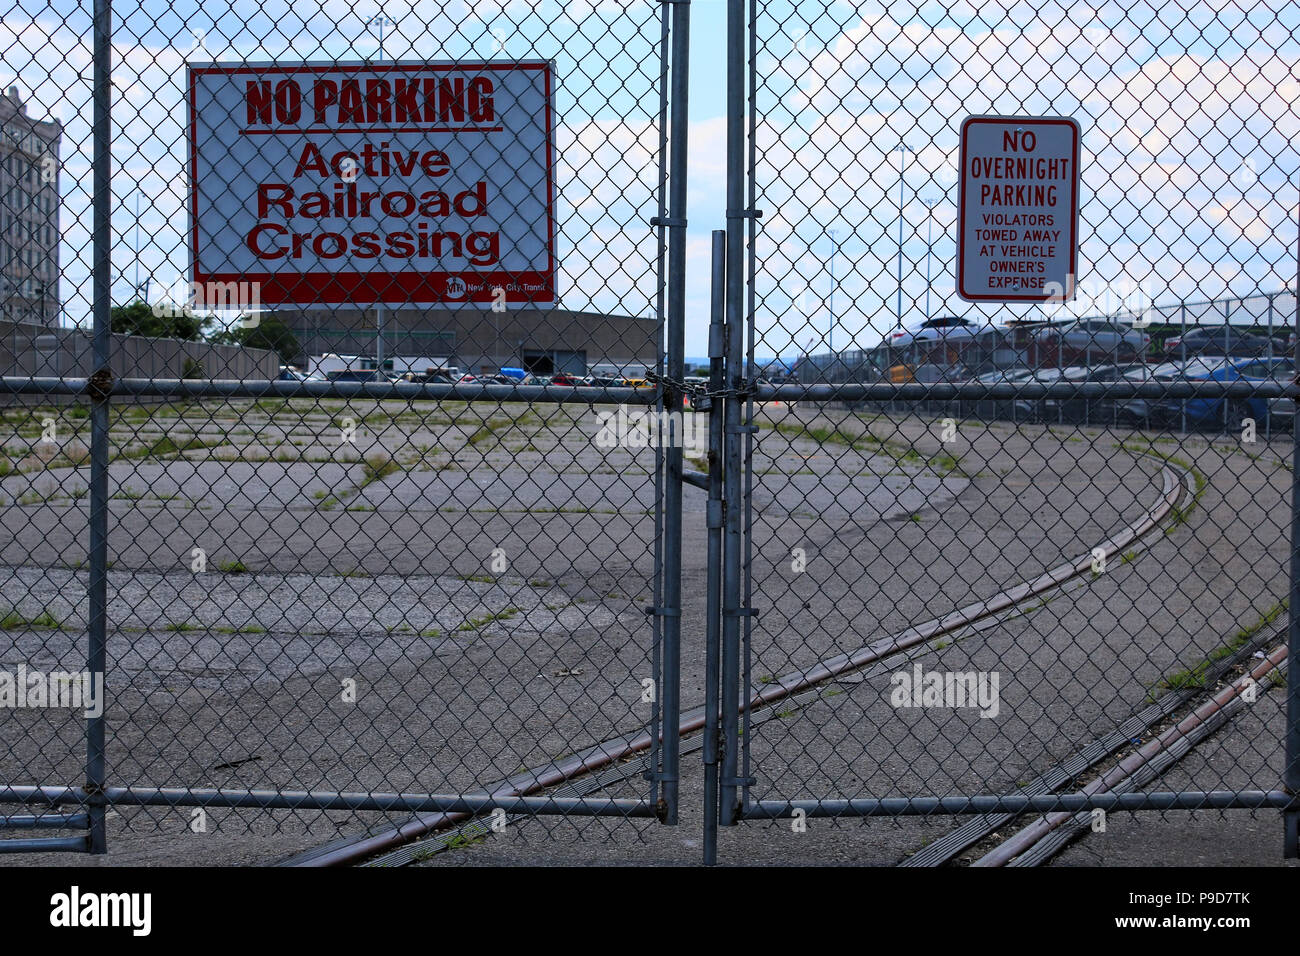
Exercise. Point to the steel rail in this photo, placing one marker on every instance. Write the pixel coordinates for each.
(1015, 804)
(1049, 846)
(974, 831)
(1103, 792)
(1174, 488)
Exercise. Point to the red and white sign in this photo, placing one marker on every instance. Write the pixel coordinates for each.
(367, 183)
(1018, 214)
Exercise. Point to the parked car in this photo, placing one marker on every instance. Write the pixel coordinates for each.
(564, 378)
(1085, 409)
(1156, 411)
(426, 378)
(1232, 410)
(357, 375)
(947, 329)
(1221, 340)
(289, 373)
(1134, 412)
(1283, 371)
(1054, 408)
(1093, 338)
(1013, 409)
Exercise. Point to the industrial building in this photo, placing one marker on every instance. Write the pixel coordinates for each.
(542, 341)
(29, 215)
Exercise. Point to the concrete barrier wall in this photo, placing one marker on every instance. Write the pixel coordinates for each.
(33, 350)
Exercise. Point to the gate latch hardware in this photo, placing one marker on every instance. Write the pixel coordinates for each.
(663, 611)
(100, 385)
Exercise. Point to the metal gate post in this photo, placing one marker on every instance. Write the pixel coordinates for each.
(712, 741)
(751, 262)
(672, 400)
(732, 492)
(1291, 780)
(100, 389)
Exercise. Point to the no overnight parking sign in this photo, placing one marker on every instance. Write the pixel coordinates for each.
(1018, 212)
(367, 183)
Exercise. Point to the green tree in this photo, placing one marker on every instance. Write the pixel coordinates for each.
(164, 322)
(269, 333)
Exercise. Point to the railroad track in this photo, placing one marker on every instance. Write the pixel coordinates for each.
(1040, 841)
(1047, 836)
(625, 757)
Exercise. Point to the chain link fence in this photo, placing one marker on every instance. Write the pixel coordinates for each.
(350, 455)
(344, 503)
(998, 555)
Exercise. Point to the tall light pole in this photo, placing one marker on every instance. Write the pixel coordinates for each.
(381, 21)
(929, 225)
(902, 149)
(831, 334)
(137, 241)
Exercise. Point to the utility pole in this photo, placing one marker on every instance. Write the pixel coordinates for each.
(381, 21)
(831, 335)
(902, 149)
(929, 225)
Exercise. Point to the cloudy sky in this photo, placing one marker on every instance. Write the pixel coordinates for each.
(1190, 117)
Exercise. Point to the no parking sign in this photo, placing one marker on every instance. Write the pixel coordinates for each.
(1018, 213)
(365, 183)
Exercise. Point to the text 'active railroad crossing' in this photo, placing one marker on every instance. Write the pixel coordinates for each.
(400, 183)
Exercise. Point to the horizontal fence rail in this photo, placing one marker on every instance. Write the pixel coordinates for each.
(255, 388)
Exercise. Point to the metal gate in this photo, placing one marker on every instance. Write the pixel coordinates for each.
(387, 587)
(973, 560)
(904, 515)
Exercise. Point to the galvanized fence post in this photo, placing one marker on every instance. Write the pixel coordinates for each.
(713, 598)
(101, 386)
(672, 400)
(1291, 780)
(655, 772)
(733, 490)
(751, 262)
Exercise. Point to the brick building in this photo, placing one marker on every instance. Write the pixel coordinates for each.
(29, 214)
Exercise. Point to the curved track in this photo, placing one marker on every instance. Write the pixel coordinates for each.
(1178, 487)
